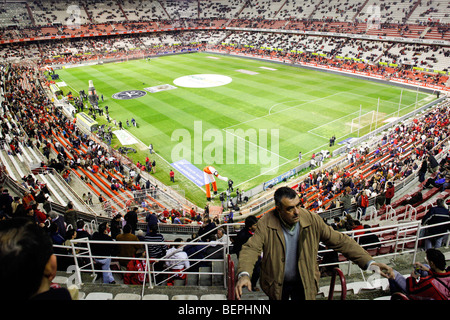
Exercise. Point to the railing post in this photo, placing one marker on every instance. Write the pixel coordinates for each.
(77, 267)
(337, 271)
(230, 279)
(148, 267)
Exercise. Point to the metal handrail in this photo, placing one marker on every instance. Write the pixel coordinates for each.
(86, 252)
(402, 234)
(231, 279)
(337, 271)
(405, 233)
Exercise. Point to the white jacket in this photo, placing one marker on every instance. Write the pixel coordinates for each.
(178, 259)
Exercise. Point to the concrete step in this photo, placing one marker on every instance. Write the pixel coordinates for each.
(205, 279)
(217, 266)
(192, 280)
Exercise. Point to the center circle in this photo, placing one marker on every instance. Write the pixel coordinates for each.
(202, 81)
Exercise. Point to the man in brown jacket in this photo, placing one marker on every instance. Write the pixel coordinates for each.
(289, 237)
(127, 250)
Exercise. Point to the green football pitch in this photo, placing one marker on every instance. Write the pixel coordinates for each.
(247, 118)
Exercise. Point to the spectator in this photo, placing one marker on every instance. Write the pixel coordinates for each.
(27, 198)
(413, 200)
(177, 261)
(138, 268)
(433, 164)
(192, 213)
(437, 214)
(27, 263)
(116, 225)
(381, 200)
(197, 252)
(205, 229)
(369, 240)
(102, 252)
(241, 238)
(127, 250)
(66, 259)
(132, 219)
(222, 238)
(390, 192)
(156, 251)
(70, 216)
(435, 181)
(363, 202)
(423, 170)
(81, 231)
(18, 209)
(336, 223)
(426, 282)
(41, 217)
(5, 204)
(284, 273)
(59, 221)
(151, 219)
(57, 238)
(346, 201)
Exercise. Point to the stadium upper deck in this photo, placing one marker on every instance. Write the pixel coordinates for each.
(405, 19)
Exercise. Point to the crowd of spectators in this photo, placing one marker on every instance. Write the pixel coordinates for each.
(405, 71)
(409, 62)
(389, 59)
(292, 22)
(31, 119)
(400, 153)
(35, 121)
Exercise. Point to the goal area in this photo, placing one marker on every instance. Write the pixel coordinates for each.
(362, 121)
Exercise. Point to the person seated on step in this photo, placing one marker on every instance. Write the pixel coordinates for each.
(177, 262)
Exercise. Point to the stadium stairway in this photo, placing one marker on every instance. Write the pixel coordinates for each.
(27, 163)
(99, 182)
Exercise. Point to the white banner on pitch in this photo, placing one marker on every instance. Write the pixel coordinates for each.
(124, 137)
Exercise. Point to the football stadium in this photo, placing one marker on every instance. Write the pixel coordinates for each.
(179, 150)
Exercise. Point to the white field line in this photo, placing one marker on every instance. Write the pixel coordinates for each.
(310, 131)
(309, 152)
(318, 135)
(271, 169)
(391, 102)
(356, 112)
(269, 114)
(256, 145)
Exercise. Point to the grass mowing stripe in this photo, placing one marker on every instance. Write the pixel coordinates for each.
(300, 103)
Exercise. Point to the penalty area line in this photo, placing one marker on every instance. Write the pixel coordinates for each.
(256, 145)
(271, 169)
(276, 112)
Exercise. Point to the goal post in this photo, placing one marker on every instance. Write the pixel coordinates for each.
(362, 121)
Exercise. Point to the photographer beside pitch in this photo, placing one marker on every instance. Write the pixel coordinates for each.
(289, 237)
